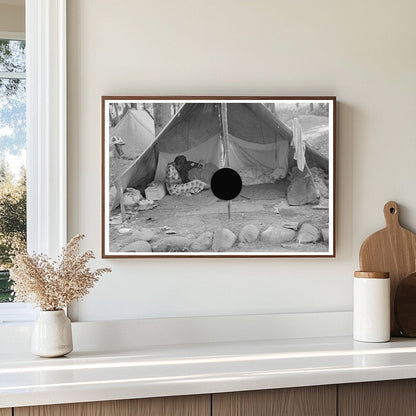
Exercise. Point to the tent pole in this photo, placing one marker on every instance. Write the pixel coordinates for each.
(120, 188)
(224, 133)
(226, 141)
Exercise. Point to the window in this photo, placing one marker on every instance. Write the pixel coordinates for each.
(12, 155)
(45, 50)
(46, 133)
(12, 165)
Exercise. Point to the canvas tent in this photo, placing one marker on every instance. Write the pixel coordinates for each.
(137, 130)
(255, 138)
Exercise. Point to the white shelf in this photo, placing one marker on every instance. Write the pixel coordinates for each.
(150, 371)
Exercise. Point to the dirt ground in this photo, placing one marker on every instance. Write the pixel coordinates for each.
(190, 216)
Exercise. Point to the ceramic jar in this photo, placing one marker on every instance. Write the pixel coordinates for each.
(371, 309)
(52, 334)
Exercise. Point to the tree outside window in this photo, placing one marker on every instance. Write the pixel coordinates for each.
(12, 156)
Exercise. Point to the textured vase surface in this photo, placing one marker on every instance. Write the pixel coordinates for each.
(52, 334)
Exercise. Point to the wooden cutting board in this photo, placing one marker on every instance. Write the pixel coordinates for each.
(393, 250)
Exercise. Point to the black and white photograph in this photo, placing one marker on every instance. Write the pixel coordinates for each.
(218, 176)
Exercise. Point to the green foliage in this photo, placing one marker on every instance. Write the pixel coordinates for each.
(6, 294)
(12, 213)
(12, 142)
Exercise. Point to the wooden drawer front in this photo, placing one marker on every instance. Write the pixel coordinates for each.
(381, 398)
(301, 401)
(163, 406)
(5, 412)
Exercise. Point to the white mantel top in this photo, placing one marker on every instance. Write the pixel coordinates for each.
(150, 371)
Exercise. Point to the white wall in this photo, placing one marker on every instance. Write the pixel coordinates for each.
(12, 17)
(361, 51)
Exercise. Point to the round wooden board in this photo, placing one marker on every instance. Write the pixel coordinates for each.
(405, 306)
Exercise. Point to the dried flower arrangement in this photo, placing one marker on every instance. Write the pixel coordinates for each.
(53, 285)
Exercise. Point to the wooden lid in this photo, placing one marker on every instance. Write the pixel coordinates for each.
(372, 275)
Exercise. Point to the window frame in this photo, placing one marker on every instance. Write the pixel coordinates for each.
(46, 125)
(14, 312)
(46, 138)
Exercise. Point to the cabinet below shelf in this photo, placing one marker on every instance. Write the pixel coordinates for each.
(381, 398)
(161, 406)
(314, 400)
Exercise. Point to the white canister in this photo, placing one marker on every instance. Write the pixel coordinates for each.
(371, 307)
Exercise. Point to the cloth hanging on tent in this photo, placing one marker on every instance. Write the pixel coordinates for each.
(298, 142)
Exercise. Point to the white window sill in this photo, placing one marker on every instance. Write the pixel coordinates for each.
(16, 313)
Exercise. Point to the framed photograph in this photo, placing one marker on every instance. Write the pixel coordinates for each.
(218, 177)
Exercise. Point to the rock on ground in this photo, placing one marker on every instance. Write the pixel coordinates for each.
(248, 234)
(144, 234)
(321, 181)
(308, 234)
(124, 230)
(325, 234)
(203, 242)
(172, 244)
(138, 247)
(301, 189)
(224, 239)
(140, 235)
(277, 235)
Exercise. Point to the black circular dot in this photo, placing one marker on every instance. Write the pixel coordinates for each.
(392, 210)
(226, 184)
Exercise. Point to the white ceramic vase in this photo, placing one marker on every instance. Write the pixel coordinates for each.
(52, 334)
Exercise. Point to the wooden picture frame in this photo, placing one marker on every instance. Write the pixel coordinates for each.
(158, 157)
